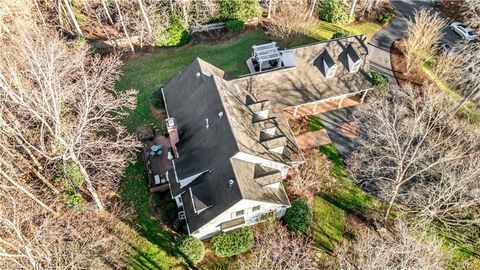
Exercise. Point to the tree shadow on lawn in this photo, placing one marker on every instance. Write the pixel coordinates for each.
(134, 192)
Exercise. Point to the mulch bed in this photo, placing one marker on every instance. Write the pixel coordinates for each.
(299, 125)
(416, 77)
(453, 9)
(217, 35)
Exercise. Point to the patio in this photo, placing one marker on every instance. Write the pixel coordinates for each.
(156, 154)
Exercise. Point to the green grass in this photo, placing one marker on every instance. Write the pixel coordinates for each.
(315, 123)
(468, 111)
(332, 206)
(152, 245)
(325, 30)
(328, 226)
(143, 72)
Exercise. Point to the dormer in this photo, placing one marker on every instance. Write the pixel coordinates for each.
(329, 65)
(353, 59)
(259, 110)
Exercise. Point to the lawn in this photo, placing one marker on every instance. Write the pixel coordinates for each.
(325, 30)
(151, 242)
(144, 72)
(152, 245)
(332, 207)
(314, 123)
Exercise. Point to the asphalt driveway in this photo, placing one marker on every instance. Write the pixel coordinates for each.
(383, 40)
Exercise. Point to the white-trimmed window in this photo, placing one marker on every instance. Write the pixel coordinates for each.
(239, 213)
(256, 208)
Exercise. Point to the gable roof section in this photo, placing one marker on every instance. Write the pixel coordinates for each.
(206, 150)
(305, 83)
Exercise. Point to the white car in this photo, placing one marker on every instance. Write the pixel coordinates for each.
(465, 32)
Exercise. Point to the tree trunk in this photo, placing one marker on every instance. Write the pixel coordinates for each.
(72, 16)
(314, 3)
(88, 182)
(354, 4)
(269, 9)
(391, 201)
(28, 193)
(123, 25)
(145, 17)
(106, 11)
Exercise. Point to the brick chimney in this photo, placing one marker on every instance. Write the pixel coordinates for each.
(172, 134)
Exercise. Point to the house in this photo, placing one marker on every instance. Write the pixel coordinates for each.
(231, 142)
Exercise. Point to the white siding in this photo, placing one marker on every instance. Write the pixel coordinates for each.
(213, 227)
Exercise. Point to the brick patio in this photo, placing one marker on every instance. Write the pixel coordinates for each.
(313, 139)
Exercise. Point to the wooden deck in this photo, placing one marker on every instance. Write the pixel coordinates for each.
(157, 166)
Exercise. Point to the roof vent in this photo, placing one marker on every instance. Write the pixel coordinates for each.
(198, 75)
(230, 182)
(206, 120)
(220, 114)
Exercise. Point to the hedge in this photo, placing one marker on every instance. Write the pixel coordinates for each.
(235, 25)
(191, 249)
(157, 97)
(341, 34)
(332, 11)
(299, 216)
(238, 9)
(176, 34)
(233, 243)
(384, 18)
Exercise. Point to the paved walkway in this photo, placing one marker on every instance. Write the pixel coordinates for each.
(313, 139)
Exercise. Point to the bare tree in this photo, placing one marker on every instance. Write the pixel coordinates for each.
(291, 18)
(405, 139)
(422, 33)
(404, 248)
(277, 248)
(450, 196)
(472, 12)
(467, 76)
(58, 107)
(368, 6)
(309, 177)
(33, 239)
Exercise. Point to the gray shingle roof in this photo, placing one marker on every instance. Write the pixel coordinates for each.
(191, 97)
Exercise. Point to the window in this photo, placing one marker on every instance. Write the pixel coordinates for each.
(256, 208)
(239, 213)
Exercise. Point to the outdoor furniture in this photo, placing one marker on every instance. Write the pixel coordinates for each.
(156, 179)
(156, 150)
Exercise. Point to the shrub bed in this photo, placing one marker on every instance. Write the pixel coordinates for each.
(384, 18)
(191, 249)
(299, 216)
(176, 34)
(235, 25)
(157, 97)
(333, 11)
(169, 212)
(341, 34)
(233, 243)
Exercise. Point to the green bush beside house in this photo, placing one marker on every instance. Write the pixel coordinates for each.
(191, 249)
(299, 216)
(233, 243)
